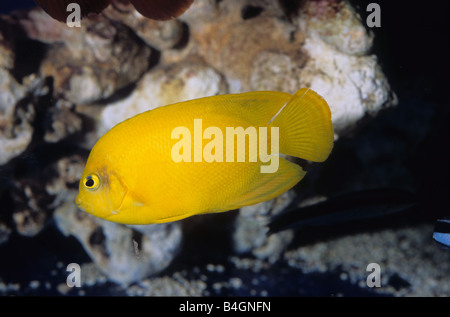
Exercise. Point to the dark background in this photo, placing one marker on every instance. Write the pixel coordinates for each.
(7, 6)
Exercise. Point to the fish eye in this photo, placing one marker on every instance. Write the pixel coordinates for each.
(92, 182)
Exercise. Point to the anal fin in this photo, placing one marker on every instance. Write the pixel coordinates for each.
(267, 186)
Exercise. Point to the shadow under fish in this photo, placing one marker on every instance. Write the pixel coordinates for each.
(359, 211)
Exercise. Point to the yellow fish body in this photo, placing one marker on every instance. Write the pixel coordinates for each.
(176, 161)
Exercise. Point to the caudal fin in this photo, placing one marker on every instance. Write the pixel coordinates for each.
(305, 127)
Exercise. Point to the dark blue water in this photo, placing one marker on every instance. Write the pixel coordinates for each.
(6, 6)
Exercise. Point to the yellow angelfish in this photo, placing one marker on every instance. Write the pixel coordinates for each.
(205, 155)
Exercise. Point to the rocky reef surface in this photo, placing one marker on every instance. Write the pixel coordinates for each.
(62, 88)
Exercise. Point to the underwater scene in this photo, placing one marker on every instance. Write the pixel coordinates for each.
(212, 148)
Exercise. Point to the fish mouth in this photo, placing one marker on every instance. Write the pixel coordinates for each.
(78, 202)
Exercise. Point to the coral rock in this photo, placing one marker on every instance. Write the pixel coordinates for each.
(250, 235)
(94, 61)
(336, 23)
(15, 127)
(180, 82)
(124, 254)
(161, 35)
(353, 86)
